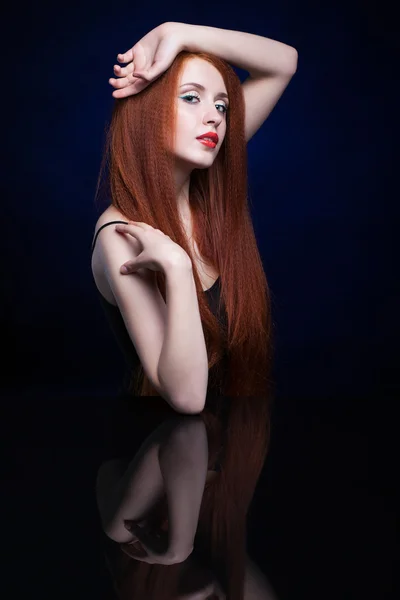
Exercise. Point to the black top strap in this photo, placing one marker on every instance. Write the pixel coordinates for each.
(105, 225)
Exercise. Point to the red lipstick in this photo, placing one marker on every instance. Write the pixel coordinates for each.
(210, 134)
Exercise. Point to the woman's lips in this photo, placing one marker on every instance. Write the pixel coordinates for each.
(208, 143)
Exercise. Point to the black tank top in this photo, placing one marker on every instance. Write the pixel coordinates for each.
(117, 323)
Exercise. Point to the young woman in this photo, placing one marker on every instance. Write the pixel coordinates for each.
(191, 310)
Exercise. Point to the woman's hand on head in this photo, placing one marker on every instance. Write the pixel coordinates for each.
(149, 58)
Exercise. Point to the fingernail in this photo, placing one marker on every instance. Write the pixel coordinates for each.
(124, 270)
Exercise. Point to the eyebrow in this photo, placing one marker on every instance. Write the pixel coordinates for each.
(202, 88)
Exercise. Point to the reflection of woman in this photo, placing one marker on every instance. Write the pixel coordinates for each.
(194, 305)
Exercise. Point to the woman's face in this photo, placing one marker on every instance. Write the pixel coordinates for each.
(198, 112)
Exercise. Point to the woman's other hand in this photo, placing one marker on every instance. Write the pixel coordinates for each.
(157, 251)
(149, 58)
(153, 546)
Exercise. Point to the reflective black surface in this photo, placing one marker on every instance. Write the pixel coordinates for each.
(321, 512)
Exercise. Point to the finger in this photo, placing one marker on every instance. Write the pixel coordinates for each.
(137, 553)
(130, 90)
(129, 225)
(141, 75)
(125, 228)
(123, 71)
(126, 56)
(143, 534)
(138, 224)
(132, 268)
(152, 73)
(133, 230)
(119, 83)
(122, 82)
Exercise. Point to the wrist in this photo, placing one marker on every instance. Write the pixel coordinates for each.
(178, 264)
(182, 33)
(179, 555)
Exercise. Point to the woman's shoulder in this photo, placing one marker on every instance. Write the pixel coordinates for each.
(111, 213)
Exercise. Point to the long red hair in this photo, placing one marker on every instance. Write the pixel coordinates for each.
(141, 185)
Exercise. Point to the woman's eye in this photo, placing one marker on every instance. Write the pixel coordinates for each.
(190, 96)
(194, 96)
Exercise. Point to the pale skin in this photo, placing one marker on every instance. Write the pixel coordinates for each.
(173, 459)
(176, 450)
(271, 66)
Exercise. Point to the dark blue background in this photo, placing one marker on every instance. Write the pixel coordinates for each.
(324, 201)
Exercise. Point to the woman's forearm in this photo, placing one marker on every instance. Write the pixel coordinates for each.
(183, 362)
(254, 53)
